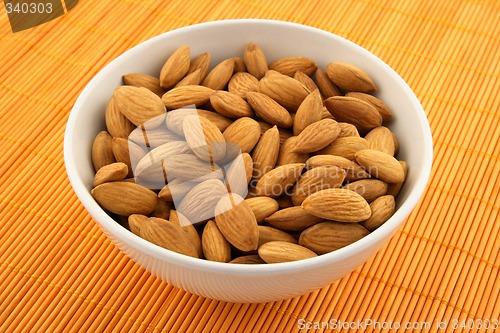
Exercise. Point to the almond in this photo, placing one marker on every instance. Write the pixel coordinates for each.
(305, 80)
(284, 133)
(219, 76)
(215, 246)
(381, 138)
(262, 207)
(355, 111)
(352, 169)
(292, 218)
(279, 180)
(146, 81)
(162, 209)
(102, 151)
(284, 201)
(269, 110)
(138, 104)
(230, 105)
(269, 234)
(330, 236)
(190, 167)
(345, 147)
(117, 124)
(326, 87)
(168, 235)
(150, 139)
(286, 156)
(176, 66)
(191, 79)
(239, 65)
(309, 112)
(283, 89)
(317, 179)
(201, 62)
(290, 65)
(248, 259)
(244, 132)
(124, 198)
(136, 222)
(110, 173)
(370, 189)
(278, 251)
(186, 95)
(199, 203)
(236, 221)
(325, 114)
(350, 77)
(188, 228)
(265, 153)
(382, 209)
(375, 102)
(347, 129)
(238, 174)
(241, 83)
(316, 136)
(337, 204)
(175, 120)
(393, 189)
(176, 190)
(126, 151)
(255, 60)
(220, 121)
(204, 138)
(381, 165)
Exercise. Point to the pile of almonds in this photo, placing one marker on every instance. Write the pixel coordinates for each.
(248, 162)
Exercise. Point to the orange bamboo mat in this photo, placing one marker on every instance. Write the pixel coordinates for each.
(58, 272)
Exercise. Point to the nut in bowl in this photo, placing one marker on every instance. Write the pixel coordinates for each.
(248, 141)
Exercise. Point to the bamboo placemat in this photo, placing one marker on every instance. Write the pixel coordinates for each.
(58, 272)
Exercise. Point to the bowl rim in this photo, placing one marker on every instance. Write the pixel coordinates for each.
(116, 230)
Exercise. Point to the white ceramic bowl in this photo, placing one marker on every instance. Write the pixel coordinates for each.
(223, 39)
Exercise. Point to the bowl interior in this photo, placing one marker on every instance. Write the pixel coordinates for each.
(225, 39)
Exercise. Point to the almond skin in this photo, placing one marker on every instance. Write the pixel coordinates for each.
(284, 201)
(353, 170)
(381, 165)
(262, 207)
(190, 167)
(286, 156)
(176, 66)
(168, 235)
(239, 174)
(188, 228)
(199, 203)
(394, 189)
(248, 259)
(292, 218)
(345, 147)
(192, 79)
(162, 209)
(290, 65)
(244, 132)
(326, 87)
(355, 111)
(316, 136)
(220, 121)
(117, 124)
(219, 76)
(202, 63)
(269, 110)
(111, 172)
(381, 138)
(255, 60)
(370, 189)
(279, 180)
(350, 77)
(154, 138)
(330, 236)
(127, 152)
(102, 151)
(230, 105)
(279, 251)
(239, 65)
(315, 180)
(305, 80)
(215, 246)
(237, 222)
(285, 90)
(204, 138)
(347, 129)
(138, 104)
(135, 223)
(176, 190)
(269, 234)
(309, 112)
(186, 95)
(382, 209)
(146, 81)
(375, 102)
(265, 153)
(241, 83)
(284, 133)
(124, 198)
(337, 204)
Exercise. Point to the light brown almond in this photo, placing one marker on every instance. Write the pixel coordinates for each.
(188, 228)
(325, 114)
(126, 151)
(190, 167)
(305, 80)
(381, 165)
(347, 129)
(102, 151)
(326, 87)
(270, 234)
(330, 236)
(139, 104)
(176, 190)
(239, 174)
(337, 204)
(215, 246)
(219, 76)
(252, 259)
(285, 134)
(255, 60)
(262, 207)
(352, 169)
(394, 189)
(117, 124)
(220, 121)
(144, 80)
(382, 209)
(179, 97)
(201, 62)
(241, 83)
(230, 105)
(236, 221)
(265, 153)
(279, 180)
(204, 138)
(316, 136)
(286, 156)
(135, 223)
(278, 251)
(199, 203)
(239, 65)
(162, 209)
(176, 66)
(381, 138)
(175, 119)
(191, 79)
(285, 90)
(309, 112)
(345, 147)
(244, 132)
(290, 65)
(292, 218)
(110, 173)
(317, 179)
(269, 110)
(350, 77)
(370, 189)
(355, 111)
(375, 102)
(284, 201)
(169, 236)
(150, 139)
(124, 198)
